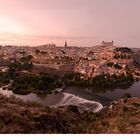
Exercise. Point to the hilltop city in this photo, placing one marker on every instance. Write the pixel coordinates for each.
(106, 58)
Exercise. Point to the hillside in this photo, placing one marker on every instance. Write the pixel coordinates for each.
(122, 117)
(19, 117)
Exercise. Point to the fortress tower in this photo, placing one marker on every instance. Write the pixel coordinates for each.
(107, 43)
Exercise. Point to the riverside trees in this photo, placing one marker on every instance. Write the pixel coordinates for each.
(100, 81)
(35, 83)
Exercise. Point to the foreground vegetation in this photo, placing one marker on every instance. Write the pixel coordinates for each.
(122, 117)
(17, 116)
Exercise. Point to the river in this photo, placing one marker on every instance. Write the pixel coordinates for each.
(83, 98)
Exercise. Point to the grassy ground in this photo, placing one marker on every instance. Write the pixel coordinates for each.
(123, 117)
(19, 117)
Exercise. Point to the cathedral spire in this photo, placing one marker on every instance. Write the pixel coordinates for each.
(66, 44)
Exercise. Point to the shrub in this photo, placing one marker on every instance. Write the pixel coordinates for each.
(73, 108)
(127, 95)
(125, 108)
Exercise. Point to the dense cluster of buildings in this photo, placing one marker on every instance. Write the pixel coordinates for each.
(89, 61)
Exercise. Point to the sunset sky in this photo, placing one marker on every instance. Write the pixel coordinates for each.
(80, 22)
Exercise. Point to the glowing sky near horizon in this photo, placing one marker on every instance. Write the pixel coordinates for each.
(80, 22)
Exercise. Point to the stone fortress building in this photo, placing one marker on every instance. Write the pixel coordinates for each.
(107, 43)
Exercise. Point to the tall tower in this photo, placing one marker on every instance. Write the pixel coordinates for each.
(66, 44)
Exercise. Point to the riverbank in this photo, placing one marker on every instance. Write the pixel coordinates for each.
(43, 83)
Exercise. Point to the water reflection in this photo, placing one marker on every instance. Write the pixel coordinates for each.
(59, 99)
(74, 95)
